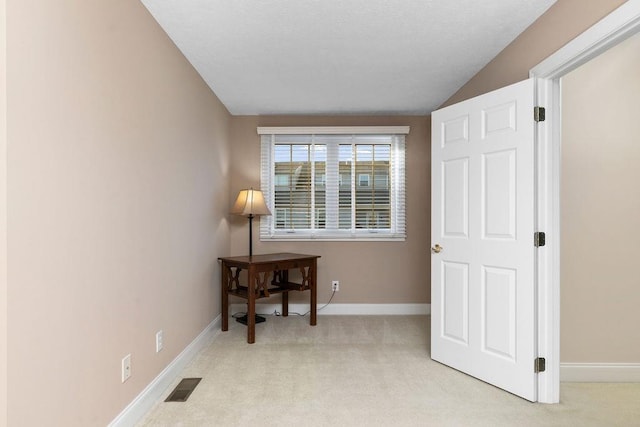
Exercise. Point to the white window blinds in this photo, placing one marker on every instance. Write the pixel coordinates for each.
(324, 184)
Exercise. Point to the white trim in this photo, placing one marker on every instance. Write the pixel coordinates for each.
(335, 130)
(145, 401)
(341, 309)
(612, 29)
(600, 372)
(547, 257)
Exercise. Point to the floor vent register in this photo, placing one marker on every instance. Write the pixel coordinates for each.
(183, 390)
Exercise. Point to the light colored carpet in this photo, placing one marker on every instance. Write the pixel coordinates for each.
(364, 371)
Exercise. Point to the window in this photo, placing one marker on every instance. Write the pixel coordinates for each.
(363, 180)
(333, 183)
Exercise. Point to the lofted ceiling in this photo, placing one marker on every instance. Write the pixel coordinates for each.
(340, 56)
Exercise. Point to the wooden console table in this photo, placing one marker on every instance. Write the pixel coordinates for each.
(259, 269)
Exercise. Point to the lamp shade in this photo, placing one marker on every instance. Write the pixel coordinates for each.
(250, 202)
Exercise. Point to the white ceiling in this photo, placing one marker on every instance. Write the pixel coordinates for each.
(341, 56)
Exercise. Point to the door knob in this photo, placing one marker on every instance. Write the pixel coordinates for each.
(436, 249)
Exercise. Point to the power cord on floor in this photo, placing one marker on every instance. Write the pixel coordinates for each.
(277, 313)
(328, 302)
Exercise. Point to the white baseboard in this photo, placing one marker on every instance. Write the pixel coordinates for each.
(143, 403)
(341, 309)
(600, 372)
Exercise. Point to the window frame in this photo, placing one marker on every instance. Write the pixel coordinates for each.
(397, 176)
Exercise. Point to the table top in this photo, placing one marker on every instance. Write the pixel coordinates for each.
(267, 258)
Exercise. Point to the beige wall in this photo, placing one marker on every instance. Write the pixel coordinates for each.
(3, 214)
(560, 24)
(600, 201)
(118, 168)
(369, 272)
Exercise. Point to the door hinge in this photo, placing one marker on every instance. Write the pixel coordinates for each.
(539, 239)
(539, 364)
(539, 114)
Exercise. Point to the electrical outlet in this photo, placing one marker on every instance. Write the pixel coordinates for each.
(335, 285)
(159, 341)
(126, 367)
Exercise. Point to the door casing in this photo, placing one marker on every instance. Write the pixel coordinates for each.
(619, 25)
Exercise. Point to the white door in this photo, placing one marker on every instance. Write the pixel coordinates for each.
(482, 219)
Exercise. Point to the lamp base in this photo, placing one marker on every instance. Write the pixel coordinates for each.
(244, 319)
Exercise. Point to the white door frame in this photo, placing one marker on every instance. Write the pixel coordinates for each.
(611, 30)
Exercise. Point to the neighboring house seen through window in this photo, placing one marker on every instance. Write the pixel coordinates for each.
(320, 183)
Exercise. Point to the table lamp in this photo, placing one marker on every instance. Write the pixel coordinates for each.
(250, 203)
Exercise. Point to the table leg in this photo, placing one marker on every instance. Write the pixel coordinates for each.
(285, 304)
(225, 296)
(251, 307)
(314, 294)
(284, 277)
